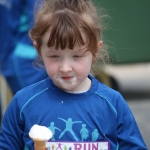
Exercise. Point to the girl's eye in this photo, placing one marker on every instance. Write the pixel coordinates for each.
(54, 56)
(77, 56)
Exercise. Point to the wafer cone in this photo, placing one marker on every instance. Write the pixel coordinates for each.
(40, 135)
(39, 144)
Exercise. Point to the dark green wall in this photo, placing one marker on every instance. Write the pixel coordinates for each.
(128, 32)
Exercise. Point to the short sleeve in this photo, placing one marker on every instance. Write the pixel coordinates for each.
(128, 134)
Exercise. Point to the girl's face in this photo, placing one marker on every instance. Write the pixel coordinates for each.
(67, 68)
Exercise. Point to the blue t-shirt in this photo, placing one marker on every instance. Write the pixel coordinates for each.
(96, 115)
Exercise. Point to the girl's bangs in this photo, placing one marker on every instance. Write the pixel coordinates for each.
(65, 30)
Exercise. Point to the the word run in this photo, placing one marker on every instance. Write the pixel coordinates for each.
(104, 145)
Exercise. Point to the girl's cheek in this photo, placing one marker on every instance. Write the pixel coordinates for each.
(52, 69)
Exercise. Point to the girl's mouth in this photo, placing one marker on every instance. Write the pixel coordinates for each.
(66, 81)
(67, 78)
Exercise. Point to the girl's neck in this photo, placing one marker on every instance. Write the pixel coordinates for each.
(83, 87)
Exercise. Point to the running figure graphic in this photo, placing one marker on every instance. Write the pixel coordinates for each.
(95, 135)
(84, 132)
(59, 147)
(69, 124)
(53, 128)
(65, 147)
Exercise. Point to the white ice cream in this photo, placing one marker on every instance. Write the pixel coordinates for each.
(66, 84)
(40, 132)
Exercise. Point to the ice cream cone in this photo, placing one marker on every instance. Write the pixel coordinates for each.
(40, 135)
(39, 144)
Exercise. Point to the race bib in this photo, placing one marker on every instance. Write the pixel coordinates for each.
(99, 145)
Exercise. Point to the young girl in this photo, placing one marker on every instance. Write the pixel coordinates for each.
(83, 113)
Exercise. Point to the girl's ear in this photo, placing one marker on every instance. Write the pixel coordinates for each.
(37, 49)
(35, 45)
(100, 43)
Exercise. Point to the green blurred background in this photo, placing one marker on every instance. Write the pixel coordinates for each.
(128, 30)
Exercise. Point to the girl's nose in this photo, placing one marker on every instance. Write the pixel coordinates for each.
(65, 66)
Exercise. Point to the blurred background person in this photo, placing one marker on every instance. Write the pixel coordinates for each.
(17, 53)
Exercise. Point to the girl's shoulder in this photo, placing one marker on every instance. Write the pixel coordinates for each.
(108, 93)
(31, 91)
